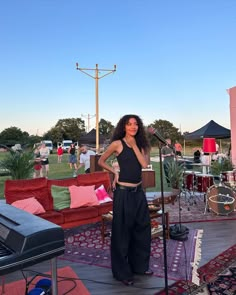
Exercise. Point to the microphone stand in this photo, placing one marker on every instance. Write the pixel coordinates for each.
(163, 219)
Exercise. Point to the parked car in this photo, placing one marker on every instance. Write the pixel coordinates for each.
(65, 144)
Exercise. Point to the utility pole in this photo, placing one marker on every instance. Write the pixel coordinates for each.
(96, 76)
(88, 119)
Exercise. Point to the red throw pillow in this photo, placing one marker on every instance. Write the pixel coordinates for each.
(30, 205)
(102, 195)
(81, 196)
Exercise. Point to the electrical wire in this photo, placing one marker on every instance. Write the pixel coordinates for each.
(79, 279)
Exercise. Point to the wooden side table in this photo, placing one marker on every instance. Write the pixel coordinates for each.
(159, 233)
(105, 218)
(169, 198)
(153, 214)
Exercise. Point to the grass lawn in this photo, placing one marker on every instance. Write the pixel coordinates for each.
(62, 170)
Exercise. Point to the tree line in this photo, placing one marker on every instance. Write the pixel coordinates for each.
(74, 128)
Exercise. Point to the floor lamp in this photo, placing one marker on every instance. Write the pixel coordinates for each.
(209, 147)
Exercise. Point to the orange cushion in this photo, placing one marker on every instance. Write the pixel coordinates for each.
(102, 195)
(82, 196)
(30, 205)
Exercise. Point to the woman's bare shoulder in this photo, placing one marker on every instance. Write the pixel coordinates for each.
(117, 142)
(114, 145)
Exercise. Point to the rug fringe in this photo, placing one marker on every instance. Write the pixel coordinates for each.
(197, 257)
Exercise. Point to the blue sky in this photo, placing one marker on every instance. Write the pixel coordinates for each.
(175, 59)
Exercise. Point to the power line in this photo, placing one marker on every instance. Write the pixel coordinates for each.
(96, 77)
(88, 117)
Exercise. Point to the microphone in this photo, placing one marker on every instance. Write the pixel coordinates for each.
(155, 133)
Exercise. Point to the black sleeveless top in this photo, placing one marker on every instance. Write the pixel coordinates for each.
(72, 151)
(130, 168)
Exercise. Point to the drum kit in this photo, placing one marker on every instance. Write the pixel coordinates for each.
(219, 198)
(195, 183)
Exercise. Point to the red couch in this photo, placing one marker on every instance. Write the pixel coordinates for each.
(40, 188)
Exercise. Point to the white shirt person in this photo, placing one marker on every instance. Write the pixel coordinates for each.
(84, 159)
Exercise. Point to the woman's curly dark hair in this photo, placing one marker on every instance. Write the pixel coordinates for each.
(140, 137)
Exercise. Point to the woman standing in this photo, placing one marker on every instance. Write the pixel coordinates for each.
(44, 154)
(37, 163)
(131, 229)
(59, 154)
(73, 158)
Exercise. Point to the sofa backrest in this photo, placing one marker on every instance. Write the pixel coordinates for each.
(97, 178)
(26, 188)
(61, 182)
(40, 188)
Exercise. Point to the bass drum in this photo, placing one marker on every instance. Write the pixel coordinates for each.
(221, 199)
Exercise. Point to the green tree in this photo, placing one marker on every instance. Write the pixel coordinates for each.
(32, 140)
(166, 130)
(71, 128)
(54, 134)
(105, 127)
(13, 135)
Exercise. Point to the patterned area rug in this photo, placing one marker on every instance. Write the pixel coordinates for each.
(84, 245)
(192, 209)
(217, 277)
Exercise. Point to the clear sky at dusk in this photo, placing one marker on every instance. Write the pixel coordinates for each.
(175, 59)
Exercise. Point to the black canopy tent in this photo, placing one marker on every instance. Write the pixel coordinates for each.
(90, 138)
(210, 130)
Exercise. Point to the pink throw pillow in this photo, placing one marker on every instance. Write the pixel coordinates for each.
(30, 205)
(102, 195)
(81, 196)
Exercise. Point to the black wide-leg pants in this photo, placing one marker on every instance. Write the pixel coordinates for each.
(131, 233)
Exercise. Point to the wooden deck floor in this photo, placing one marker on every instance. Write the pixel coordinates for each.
(217, 237)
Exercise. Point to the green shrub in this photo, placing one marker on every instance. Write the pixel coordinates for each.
(219, 166)
(18, 164)
(175, 174)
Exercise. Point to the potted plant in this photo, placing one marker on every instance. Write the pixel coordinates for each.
(220, 166)
(175, 175)
(19, 164)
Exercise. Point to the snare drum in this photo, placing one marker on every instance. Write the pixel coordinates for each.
(221, 199)
(204, 181)
(229, 177)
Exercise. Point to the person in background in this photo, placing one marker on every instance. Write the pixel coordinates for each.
(168, 156)
(44, 154)
(178, 149)
(197, 156)
(37, 162)
(73, 158)
(131, 228)
(84, 159)
(217, 149)
(59, 153)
